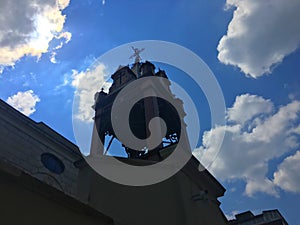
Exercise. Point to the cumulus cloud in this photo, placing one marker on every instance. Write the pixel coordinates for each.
(27, 27)
(248, 106)
(260, 34)
(25, 102)
(288, 177)
(87, 83)
(251, 142)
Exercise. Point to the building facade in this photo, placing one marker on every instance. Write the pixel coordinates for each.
(45, 180)
(37, 175)
(268, 217)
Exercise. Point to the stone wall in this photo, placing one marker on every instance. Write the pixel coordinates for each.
(23, 141)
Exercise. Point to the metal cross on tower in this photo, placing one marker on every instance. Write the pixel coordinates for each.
(136, 54)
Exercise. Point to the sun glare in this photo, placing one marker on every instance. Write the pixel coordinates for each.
(43, 34)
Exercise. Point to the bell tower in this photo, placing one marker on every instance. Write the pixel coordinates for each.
(141, 113)
(162, 176)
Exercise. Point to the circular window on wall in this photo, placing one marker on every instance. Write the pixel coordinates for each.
(52, 163)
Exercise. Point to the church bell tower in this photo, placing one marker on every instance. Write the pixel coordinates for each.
(141, 113)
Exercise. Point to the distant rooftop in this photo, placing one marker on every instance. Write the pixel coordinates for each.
(268, 217)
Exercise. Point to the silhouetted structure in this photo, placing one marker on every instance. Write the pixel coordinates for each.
(42, 173)
(269, 217)
(189, 197)
(142, 112)
(37, 175)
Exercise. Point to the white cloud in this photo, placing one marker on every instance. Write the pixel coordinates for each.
(232, 214)
(87, 84)
(260, 34)
(64, 35)
(66, 80)
(248, 106)
(52, 57)
(288, 177)
(27, 27)
(25, 102)
(248, 146)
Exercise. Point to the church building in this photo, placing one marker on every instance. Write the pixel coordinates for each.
(45, 179)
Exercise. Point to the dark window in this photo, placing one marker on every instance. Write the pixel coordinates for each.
(52, 163)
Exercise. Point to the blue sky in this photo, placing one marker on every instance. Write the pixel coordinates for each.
(251, 47)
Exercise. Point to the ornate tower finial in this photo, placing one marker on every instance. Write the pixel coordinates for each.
(136, 54)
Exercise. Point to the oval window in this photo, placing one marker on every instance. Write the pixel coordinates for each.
(52, 163)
